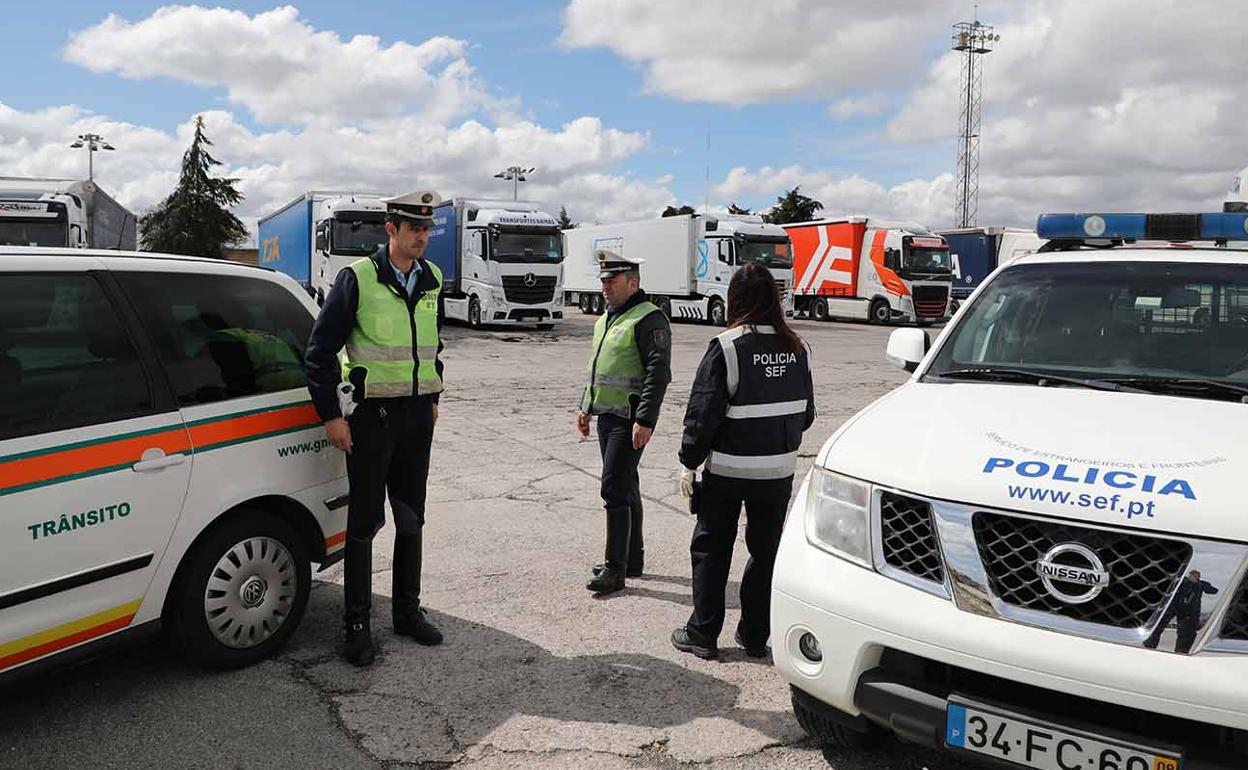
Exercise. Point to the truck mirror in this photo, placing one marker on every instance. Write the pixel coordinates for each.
(906, 348)
(76, 232)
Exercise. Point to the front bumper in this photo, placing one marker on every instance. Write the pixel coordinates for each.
(863, 619)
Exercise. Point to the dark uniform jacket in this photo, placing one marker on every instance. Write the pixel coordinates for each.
(750, 402)
(654, 343)
(1187, 599)
(337, 319)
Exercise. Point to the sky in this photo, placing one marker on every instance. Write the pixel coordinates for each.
(627, 106)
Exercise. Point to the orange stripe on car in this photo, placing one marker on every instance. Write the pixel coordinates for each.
(28, 648)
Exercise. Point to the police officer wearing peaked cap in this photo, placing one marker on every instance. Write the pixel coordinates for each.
(628, 376)
(387, 311)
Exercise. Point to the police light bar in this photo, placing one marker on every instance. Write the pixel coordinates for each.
(1134, 227)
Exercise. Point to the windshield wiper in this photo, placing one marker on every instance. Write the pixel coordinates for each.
(1185, 386)
(998, 374)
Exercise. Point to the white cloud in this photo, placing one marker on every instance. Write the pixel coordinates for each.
(284, 70)
(744, 51)
(867, 106)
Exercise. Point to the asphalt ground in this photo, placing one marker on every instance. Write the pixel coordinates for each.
(535, 672)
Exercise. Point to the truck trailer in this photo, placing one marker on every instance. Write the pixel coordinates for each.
(63, 212)
(321, 232)
(857, 267)
(977, 251)
(689, 261)
(501, 262)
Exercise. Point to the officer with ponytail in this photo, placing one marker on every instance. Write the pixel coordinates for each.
(751, 400)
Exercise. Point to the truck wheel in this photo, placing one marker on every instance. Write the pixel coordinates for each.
(665, 305)
(715, 313)
(584, 304)
(474, 313)
(880, 314)
(820, 309)
(241, 592)
(595, 304)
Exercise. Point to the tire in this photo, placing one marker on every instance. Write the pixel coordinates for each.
(595, 304)
(715, 314)
(665, 305)
(474, 313)
(253, 571)
(880, 313)
(584, 304)
(819, 309)
(834, 736)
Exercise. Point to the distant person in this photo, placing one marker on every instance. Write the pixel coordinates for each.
(751, 400)
(1185, 608)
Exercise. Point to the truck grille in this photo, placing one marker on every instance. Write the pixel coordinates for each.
(931, 301)
(909, 538)
(517, 290)
(1143, 570)
(1236, 625)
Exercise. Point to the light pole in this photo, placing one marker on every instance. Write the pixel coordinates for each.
(515, 175)
(92, 142)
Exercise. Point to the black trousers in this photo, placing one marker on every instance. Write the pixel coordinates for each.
(719, 510)
(621, 486)
(391, 440)
(1188, 624)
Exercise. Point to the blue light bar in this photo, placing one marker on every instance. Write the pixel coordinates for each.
(1135, 227)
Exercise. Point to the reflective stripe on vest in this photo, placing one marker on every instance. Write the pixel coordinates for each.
(730, 352)
(775, 409)
(759, 467)
(616, 373)
(381, 342)
(274, 363)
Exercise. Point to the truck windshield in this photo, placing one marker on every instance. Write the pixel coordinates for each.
(1162, 327)
(516, 246)
(16, 232)
(775, 255)
(927, 260)
(357, 236)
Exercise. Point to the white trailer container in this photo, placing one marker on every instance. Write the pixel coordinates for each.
(63, 212)
(689, 261)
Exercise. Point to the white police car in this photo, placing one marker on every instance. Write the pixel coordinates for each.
(1065, 584)
(159, 457)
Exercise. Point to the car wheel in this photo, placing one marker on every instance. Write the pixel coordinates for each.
(242, 591)
(474, 313)
(834, 736)
(715, 313)
(880, 313)
(820, 309)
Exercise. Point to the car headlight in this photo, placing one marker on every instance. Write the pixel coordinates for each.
(838, 516)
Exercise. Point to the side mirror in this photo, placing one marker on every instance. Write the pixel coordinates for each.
(76, 232)
(322, 238)
(906, 347)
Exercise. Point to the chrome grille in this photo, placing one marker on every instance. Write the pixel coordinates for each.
(1143, 570)
(517, 289)
(1236, 625)
(909, 538)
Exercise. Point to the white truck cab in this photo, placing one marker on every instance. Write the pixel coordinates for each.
(1064, 584)
(160, 460)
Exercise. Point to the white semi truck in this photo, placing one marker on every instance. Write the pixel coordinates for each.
(689, 261)
(501, 262)
(63, 212)
(321, 232)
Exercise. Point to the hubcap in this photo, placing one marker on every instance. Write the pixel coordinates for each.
(250, 592)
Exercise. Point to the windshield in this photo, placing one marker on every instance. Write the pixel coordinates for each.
(928, 260)
(358, 235)
(1181, 324)
(770, 254)
(37, 233)
(528, 247)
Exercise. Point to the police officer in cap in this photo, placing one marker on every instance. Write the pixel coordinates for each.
(387, 311)
(628, 376)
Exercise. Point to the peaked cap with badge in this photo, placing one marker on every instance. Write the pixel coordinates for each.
(610, 264)
(416, 206)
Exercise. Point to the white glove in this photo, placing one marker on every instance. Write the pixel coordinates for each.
(686, 482)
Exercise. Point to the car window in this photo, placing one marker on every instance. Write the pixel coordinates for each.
(66, 360)
(222, 337)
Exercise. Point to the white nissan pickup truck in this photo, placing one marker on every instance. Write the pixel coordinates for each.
(1035, 552)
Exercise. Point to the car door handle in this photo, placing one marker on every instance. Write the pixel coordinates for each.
(155, 458)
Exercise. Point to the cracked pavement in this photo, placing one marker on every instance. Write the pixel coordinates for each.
(535, 672)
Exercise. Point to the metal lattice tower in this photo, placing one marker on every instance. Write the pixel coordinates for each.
(973, 40)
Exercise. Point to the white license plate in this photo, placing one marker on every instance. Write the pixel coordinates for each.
(1028, 743)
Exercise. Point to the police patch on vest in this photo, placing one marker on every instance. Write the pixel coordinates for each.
(775, 363)
(662, 338)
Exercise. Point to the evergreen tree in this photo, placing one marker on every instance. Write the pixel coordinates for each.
(672, 211)
(194, 219)
(565, 221)
(733, 208)
(793, 207)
